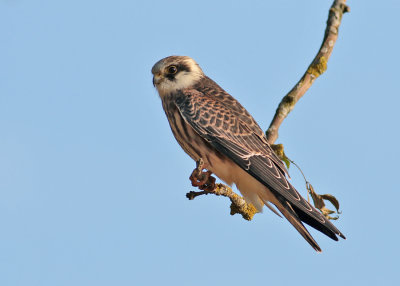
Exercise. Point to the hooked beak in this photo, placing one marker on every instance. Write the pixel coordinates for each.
(157, 78)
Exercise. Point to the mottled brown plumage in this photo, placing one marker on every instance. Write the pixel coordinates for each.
(210, 124)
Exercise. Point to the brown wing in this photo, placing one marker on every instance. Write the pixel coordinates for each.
(209, 89)
(228, 127)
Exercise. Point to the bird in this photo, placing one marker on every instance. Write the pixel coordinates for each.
(211, 125)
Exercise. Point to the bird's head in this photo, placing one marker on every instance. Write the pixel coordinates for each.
(174, 73)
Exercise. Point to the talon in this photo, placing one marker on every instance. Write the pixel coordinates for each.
(210, 184)
(199, 178)
(202, 180)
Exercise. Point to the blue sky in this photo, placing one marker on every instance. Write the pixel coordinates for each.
(92, 182)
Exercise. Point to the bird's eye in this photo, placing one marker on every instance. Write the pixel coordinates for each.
(172, 70)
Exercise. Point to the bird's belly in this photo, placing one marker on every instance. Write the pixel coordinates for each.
(222, 167)
(252, 190)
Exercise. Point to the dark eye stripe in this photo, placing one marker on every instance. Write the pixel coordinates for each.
(179, 67)
(183, 67)
(174, 69)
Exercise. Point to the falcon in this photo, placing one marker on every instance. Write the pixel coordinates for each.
(211, 125)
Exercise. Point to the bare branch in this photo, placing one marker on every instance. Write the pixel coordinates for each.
(316, 68)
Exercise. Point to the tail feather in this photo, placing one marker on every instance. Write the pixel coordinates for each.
(326, 228)
(288, 212)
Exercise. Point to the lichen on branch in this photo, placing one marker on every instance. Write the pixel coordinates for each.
(238, 204)
(317, 67)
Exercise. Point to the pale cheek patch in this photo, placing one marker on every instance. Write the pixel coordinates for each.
(182, 80)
